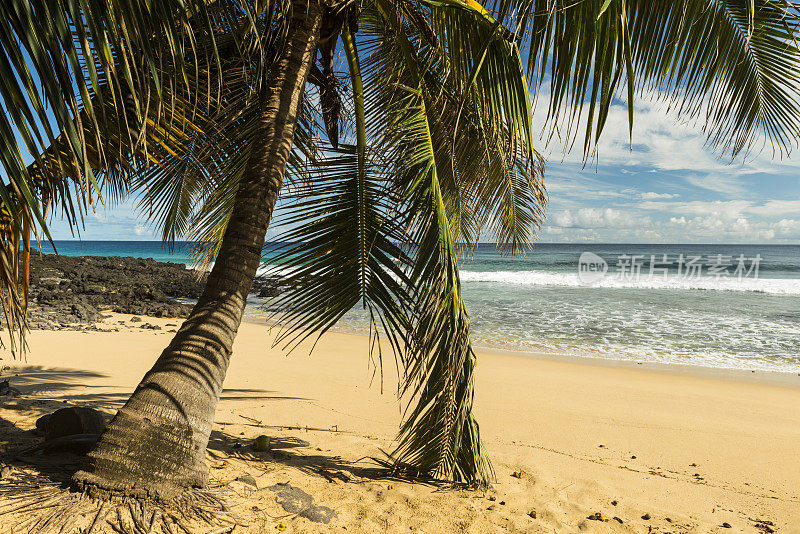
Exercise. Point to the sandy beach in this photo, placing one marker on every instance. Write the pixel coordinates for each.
(689, 449)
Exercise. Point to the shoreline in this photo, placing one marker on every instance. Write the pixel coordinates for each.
(72, 292)
(788, 379)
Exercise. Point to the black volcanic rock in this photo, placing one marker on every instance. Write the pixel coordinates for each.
(73, 292)
(67, 292)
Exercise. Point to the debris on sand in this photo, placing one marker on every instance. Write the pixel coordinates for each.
(247, 479)
(262, 443)
(763, 525)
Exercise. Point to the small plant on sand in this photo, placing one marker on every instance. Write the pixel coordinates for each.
(396, 133)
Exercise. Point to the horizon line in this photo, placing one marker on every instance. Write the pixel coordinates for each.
(534, 245)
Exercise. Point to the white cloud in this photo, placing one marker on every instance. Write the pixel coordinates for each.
(140, 229)
(580, 186)
(593, 218)
(727, 185)
(586, 187)
(719, 228)
(788, 227)
(777, 207)
(633, 225)
(730, 209)
(695, 196)
(649, 195)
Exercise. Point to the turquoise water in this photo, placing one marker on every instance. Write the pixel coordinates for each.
(540, 303)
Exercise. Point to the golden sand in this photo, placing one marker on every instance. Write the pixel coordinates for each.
(690, 449)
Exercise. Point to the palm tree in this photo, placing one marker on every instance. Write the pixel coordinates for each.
(204, 110)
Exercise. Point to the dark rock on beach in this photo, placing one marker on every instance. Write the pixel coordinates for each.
(69, 421)
(7, 391)
(296, 501)
(74, 430)
(267, 286)
(73, 293)
(79, 444)
(70, 292)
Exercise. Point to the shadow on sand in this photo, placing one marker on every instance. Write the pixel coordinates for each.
(44, 390)
(296, 453)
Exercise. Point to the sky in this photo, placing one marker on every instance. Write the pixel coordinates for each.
(667, 187)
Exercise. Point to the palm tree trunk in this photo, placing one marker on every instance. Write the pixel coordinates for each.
(156, 443)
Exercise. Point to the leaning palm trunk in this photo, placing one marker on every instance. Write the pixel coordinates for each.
(156, 443)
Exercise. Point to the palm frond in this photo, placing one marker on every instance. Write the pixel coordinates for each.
(734, 64)
(339, 249)
(479, 111)
(439, 436)
(196, 205)
(15, 235)
(485, 66)
(731, 64)
(66, 68)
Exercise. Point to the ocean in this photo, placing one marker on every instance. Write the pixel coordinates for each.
(726, 306)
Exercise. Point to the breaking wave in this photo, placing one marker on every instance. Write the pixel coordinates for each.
(777, 286)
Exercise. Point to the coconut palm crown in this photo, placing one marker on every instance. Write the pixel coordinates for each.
(412, 140)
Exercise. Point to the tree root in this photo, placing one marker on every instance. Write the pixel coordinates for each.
(35, 504)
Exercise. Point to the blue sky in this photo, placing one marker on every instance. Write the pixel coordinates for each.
(670, 188)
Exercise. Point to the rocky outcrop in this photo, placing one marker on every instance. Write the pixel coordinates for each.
(71, 291)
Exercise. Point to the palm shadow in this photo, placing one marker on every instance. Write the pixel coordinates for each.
(297, 453)
(44, 390)
(60, 383)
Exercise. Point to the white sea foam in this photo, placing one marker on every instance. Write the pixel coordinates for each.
(779, 286)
